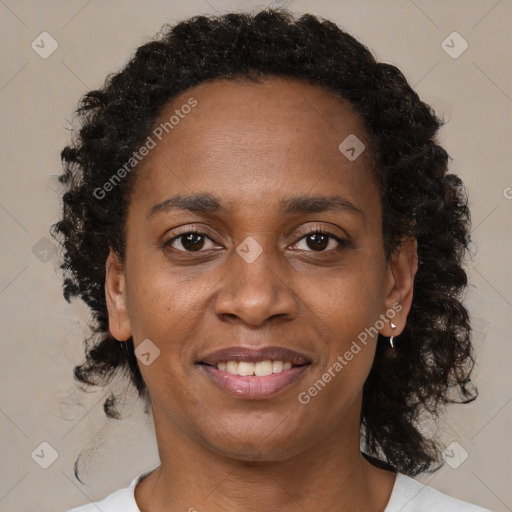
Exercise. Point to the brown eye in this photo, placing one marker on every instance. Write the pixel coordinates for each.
(319, 241)
(191, 241)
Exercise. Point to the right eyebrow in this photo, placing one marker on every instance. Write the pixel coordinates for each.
(198, 203)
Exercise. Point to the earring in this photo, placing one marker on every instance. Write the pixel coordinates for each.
(393, 326)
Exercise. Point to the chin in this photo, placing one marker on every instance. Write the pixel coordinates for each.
(260, 447)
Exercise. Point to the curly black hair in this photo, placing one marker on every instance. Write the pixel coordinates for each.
(434, 354)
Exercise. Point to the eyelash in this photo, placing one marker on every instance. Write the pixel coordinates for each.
(343, 243)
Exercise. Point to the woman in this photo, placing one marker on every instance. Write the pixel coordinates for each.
(262, 223)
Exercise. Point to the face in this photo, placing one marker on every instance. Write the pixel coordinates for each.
(283, 248)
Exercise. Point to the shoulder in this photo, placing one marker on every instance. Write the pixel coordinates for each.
(122, 500)
(409, 495)
(119, 501)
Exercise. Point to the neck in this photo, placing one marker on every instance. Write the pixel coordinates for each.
(331, 475)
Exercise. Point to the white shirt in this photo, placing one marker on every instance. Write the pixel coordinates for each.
(408, 495)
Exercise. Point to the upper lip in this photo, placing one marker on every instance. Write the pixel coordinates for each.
(254, 355)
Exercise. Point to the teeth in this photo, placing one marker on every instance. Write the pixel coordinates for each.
(277, 366)
(246, 368)
(260, 369)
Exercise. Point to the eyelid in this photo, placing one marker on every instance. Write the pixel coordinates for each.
(185, 231)
(343, 242)
(303, 232)
(325, 230)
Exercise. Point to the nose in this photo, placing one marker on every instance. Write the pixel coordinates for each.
(255, 291)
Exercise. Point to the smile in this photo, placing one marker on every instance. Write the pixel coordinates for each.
(254, 381)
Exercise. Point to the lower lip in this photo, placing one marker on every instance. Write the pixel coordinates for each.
(253, 387)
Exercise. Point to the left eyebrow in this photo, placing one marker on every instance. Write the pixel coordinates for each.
(319, 204)
(208, 204)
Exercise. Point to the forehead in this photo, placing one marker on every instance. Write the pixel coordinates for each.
(250, 142)
(259, 111)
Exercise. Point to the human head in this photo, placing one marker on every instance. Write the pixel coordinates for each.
(418, 198)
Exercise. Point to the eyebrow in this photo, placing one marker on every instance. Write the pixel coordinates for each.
(208, 204)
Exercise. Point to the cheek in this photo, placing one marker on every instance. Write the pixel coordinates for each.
(161, 314)
(348, 309)
(340, 385)
(339, 378)
(349, 301)
(167, 308)
(161, 301)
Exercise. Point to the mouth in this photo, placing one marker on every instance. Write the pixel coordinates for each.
(254, 374)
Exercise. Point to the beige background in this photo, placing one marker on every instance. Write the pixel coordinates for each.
(42, 335)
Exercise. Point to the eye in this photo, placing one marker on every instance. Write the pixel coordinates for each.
(191, 241)
(320, 239)
(317, 240)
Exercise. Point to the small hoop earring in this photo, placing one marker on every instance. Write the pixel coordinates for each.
(393, 326)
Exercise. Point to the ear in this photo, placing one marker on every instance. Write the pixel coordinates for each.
(115, 292)
(401, 271)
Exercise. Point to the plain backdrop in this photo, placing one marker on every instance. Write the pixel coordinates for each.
(42, 334)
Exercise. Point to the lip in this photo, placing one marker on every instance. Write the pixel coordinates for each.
(252, 387)
(274, 353)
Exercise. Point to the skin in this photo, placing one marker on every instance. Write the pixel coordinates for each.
(253, 145)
